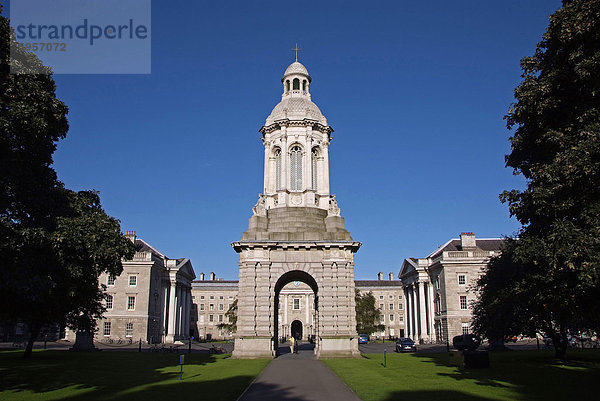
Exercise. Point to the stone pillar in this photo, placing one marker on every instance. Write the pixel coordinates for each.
(285, 312)
(407, 324)
(413, 312)
(423, 317)
(306, 321)
(172, 313)
(431, 310)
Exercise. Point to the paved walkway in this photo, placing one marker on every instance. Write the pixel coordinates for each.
(298, 377)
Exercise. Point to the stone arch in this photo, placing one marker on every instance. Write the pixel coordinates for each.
(286, 278)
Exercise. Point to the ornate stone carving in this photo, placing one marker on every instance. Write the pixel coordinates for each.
(334, 209)
(259, 209)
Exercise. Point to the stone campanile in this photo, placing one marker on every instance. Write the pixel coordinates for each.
(296, 232)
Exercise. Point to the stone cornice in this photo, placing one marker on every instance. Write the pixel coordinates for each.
(267, 129)
(241, 245)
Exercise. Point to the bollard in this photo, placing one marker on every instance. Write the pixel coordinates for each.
(181, 364)
(385, 357)
(140, 346)
(447, 346)
(190, 345)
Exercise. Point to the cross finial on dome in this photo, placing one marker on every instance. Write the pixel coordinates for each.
(296, 49)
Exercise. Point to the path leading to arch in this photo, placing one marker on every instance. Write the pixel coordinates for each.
(298, 377)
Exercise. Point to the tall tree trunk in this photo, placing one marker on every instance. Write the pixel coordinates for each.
(34, 331)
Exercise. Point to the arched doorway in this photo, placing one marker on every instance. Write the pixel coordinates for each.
(309, 310)
(296, 329)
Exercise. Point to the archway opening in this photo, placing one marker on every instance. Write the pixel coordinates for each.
(296, 311)
(296, 329)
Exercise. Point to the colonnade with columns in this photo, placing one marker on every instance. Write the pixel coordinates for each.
(177, 309)
(418, 309)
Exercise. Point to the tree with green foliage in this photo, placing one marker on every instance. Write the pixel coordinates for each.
(367, 315)
(54, 242)
(556, 147)
(231, 316)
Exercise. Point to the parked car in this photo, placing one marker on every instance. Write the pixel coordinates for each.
(363, 339)
(510, 339)
(405, 344)
(466, 342)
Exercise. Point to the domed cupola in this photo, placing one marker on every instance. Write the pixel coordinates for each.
(296, 104)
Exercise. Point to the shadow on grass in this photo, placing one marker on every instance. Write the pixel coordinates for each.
(442, 395)
(532, 374)
(119, 375)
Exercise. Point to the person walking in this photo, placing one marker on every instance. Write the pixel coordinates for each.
(292, 341)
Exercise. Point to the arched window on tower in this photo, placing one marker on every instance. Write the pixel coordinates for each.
(296, 168)
(304, 85)
(287, 85)
(278, 169)
(314, 156)
(296, 84)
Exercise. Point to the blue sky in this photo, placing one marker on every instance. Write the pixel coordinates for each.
(415, 91)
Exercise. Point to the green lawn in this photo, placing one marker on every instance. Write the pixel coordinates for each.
(53, 375)
(518, 375)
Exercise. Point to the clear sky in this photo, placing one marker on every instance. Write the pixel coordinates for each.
(415, 91)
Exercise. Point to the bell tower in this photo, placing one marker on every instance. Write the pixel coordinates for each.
(296, 138)
(296, 232)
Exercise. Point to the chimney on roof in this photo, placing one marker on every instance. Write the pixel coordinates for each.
(380, 276)
(212, 276)
(130, 234)
(467, 241)
(202, 276)
(391, 276)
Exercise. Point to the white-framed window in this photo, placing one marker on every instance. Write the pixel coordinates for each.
(131, 302)
(391, 318)
(106, 329)
(221, 297)
(391, 306)
(296, 304)
(110, 281)
(401, 318)
(211, 318)
(231, 297)
(465, 328)
(380, 306)
(400, 297)
(128, 329)
(462, 279)
(278, 167)
(201, 306)
(132, 280)
(437, 283)
(463, 302)
(109, 302)
(400, 306)
(381, 297)
(201, 317)
(201, 296)
(382, 319)
(392, 332)
(212, 297)
(220, 318)
(296, 168)
(211, 307)
(220, 306)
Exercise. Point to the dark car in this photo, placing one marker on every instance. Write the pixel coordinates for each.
(466, 342)
(405, 344)
(363, 339)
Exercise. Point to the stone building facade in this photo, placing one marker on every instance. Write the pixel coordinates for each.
(440, 287)
(296, 307)
(150, 301)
